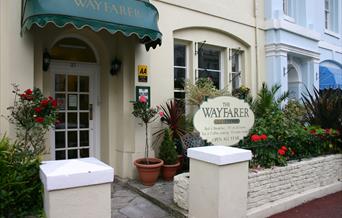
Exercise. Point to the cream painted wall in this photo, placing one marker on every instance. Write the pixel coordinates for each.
(16, 59)
(227, 24)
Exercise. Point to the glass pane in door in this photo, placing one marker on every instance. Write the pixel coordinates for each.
(72, 131)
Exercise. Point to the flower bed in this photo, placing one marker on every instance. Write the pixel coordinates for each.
(272, 185)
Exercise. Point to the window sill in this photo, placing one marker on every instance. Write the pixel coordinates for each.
(333, 34)
(290, 19)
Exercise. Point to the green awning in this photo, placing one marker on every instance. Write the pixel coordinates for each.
(130, 17)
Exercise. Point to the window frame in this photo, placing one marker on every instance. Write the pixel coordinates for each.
(186, 67)
(221, 64)
(239, 68)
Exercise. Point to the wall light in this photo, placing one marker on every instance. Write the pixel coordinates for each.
(115, 67)
(46, 60)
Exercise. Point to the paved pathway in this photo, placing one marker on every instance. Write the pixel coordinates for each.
(327, 207)
(127, 204)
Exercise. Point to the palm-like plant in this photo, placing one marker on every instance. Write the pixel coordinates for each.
(173, 116)
(324, 108)
(267, 100)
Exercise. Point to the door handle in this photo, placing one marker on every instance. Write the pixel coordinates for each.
(90, 111)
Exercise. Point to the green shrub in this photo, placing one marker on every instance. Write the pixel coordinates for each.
(167, 150)
(279, 135)
(20, 186)
(202, 89)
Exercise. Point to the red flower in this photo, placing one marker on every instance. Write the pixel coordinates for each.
(313, 132)
(39, 119)
(161, 113)
(50, 98)
(143, 99)
(38, 109)
(328, 131)
(54, 103)
(44, 102)
(263, 137)
(23, 96)
(281, 152)
(283, 148)
(28, 92)
(255, 138)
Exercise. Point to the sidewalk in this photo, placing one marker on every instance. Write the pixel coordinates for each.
(327, 207)
(128, 204)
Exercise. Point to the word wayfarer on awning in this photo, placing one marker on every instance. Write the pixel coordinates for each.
(130, 17)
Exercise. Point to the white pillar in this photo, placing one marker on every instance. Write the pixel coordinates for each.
(218, 182)
(77, 188)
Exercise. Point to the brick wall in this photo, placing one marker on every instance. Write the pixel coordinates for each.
(280, 182)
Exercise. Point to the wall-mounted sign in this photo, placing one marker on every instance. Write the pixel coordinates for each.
(142, 73)
(143, 91)
(224, 120)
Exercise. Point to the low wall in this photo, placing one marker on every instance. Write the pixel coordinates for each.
(272, 185)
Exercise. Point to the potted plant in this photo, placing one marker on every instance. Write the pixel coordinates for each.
(148, 168)
(168, 153)
(173, 116)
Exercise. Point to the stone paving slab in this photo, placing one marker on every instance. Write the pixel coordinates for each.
(161, 194)
(128, 204)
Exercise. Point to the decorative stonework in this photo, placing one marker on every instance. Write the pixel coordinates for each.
(280, 182)
(269, 185)
(180, 190)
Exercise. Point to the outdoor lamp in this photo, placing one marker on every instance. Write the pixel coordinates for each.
(46, 60)
(115, 67)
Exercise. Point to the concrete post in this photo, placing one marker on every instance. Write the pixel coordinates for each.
(77, 188)
(218, 182)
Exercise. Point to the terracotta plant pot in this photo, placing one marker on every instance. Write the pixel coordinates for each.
(148, 173)
(169, 171)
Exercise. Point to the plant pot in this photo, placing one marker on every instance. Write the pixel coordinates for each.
(148, 173)
(169, 171)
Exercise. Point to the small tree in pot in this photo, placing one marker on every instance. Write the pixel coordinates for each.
(168, 153)
(148, 168)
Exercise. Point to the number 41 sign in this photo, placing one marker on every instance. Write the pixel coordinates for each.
(142, 73)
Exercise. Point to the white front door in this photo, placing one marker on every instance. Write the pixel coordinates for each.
(74, 88)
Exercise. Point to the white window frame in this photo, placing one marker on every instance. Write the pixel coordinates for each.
(327, 15)
(239, 70)
(289, 10)
(331, 17)
(221, 70)
(186, 67)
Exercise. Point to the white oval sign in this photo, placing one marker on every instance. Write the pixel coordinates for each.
(224, 120)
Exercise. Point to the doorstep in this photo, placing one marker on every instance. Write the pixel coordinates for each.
(160, 194)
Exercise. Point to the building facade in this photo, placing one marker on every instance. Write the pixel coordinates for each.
(200, 39)
(303, 44)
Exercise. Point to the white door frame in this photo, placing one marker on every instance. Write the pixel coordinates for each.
(58, 66)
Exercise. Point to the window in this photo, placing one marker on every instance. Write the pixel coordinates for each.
(236, 69)
(180, 70)
(288, 8)
(209, 65)
(331, 15)
(327, 14)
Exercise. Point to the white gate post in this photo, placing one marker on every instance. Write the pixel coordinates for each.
(218, 182)
(77, 188)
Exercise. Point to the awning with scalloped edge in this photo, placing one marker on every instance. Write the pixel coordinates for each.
(130, 17)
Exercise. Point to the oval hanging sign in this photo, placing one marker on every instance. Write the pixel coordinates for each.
(224, 120)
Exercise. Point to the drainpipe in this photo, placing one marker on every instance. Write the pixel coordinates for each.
(256, 45)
